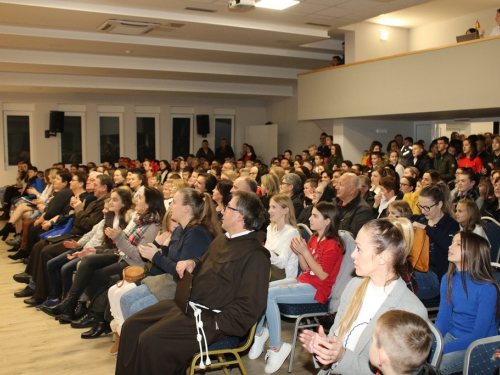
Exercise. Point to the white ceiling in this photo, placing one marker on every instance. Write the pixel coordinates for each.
(53, 45)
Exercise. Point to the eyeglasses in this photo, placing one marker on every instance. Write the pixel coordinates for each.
(402, 184)
(426, 208)
(231, 208)
(284, 183)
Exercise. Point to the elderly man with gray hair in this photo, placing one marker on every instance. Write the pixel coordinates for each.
(291, 184)
(354, 211)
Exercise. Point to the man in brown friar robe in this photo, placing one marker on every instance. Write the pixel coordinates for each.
(232, 276)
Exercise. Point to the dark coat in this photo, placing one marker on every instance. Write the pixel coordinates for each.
(354, 215)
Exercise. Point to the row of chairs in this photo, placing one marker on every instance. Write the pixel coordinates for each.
(482, 356)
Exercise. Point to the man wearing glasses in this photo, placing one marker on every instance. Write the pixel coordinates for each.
(291, 185)
(230, 286)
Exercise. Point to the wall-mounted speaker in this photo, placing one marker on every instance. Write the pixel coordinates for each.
(203, 125)
(56, 124)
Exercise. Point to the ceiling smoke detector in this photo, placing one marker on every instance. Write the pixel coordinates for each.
(127, 27)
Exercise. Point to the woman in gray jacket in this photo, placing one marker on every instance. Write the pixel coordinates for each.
(380, 262)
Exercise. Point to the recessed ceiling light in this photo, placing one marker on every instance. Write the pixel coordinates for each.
(276, 4)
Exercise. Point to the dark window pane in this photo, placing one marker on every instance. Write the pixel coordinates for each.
(18, 139)
(223, 130)
(146, 138)
(110, 138)
(181, 136)
(71, 140)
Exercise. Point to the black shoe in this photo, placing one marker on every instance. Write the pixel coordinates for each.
(66, 308)
(13, 250)
(22, 278)
(5, 215)
(26, 292)
(21, 254)
(6, 230)
(80, 310)
(26, 260)
(88, 320)
(33, 301)
(100, 327)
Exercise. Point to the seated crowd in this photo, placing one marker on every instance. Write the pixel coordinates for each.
(237, 225)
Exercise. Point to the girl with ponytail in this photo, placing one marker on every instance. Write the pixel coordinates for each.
(380, 263)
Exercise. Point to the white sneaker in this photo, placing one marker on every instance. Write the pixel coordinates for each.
(258, 344)
(275, 359)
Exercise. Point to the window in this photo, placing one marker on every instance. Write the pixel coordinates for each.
(109, 131)
(17, 137)
(223, 129)
(71, 140)
(146, 137)
(181, 136)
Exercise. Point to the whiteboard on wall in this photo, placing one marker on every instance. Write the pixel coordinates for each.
(264, 139)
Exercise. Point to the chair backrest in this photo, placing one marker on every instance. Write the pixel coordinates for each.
(436, 353)
(346, 272)
(305, 231)
(495, 269)
(483, 357)
(493, 234)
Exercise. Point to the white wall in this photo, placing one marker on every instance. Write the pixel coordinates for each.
(355, 136)
(367, 43)
(442, 33)
(292, 134)
(45, 152)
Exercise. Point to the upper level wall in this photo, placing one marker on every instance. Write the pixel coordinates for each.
(442, 33)
(458, 77)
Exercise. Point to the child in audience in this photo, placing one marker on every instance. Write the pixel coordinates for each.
(468, 216)
(469, 309)
(399, 209)
(401, 344)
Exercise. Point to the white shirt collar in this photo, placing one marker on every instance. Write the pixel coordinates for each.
(238, 234)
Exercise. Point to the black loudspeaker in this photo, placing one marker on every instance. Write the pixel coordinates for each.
(56, 124)
(203, 125)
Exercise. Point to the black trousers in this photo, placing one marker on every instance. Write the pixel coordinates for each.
(94, 272)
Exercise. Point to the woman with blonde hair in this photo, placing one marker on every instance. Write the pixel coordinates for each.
(281, 231)
(319, 260)
(269, 186)
(278, 172)
(380, 261)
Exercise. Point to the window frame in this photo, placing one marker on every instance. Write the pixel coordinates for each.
(121, 130)
(7, 113)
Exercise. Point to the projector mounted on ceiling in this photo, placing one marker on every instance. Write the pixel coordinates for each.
(241, 4)
(127, 27)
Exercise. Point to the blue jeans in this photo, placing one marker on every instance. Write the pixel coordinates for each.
(283, 291)
(60, 269)
(136, 300)
(453, 361)
(428, 284)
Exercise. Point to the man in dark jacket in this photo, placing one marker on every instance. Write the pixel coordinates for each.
(231, 282)
(43, 251)
(223, 152)
(420, 159)
(354, 211)
(445, 163)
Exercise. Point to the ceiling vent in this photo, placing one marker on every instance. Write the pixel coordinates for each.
(318, 24)
(127, 27)
(201, 10)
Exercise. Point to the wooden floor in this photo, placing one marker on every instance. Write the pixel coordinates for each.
(31, 342)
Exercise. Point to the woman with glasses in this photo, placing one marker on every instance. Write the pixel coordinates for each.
(382, 247)
(439, 225)
(408, 186)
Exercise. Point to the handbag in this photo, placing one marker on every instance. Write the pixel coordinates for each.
(131, 274)
(419, 253)
(62, 228)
